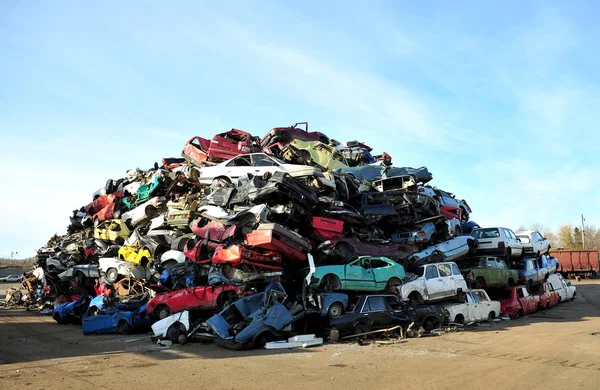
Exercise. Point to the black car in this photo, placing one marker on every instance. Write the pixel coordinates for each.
(382, 311)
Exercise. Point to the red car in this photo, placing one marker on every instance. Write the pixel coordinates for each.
(198, 298)
(285, 135)
(237, 255)
(104, 207)
(232, 143)
(515, 300)
(196, 150)
(272, 236)
(546, 295)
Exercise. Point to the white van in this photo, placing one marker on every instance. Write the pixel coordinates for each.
(564, 289)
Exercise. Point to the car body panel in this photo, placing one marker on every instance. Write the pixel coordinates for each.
(495, 241)
(437, 281)
(492, 270)
(367, 273)
(515, 300)
(534, 242)
(200, 297)
(112, 230)
(477, 307)
(324, 156)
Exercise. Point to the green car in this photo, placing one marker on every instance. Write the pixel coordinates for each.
(143, 193)
(487, 271)
(367, 273)
(314, 153)
(181, 218)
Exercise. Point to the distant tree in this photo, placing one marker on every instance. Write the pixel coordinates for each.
(521, 228)
(565, 236)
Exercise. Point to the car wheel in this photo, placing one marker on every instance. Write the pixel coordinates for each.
(335, 310)
(391, 285)
(491, 316)
(537, 254)
(163, 312)
(120, 241)
(511, 282)
(112, 275)
(481, 282)
(522, 253)
(124, 327)
(508, 254)
(331, 283)
(431, 324)
(414, 299)
(459, 319)
(304, 157)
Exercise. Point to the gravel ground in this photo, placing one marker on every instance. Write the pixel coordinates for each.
(557, 349)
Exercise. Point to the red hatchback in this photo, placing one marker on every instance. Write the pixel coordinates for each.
(198, 298)
(515, 300)
(546, 295)
(196, 150)
(232, 143)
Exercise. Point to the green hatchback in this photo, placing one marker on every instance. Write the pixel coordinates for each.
(487, 271)
(367, 273)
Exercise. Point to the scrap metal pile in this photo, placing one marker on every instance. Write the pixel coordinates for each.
(278, 236)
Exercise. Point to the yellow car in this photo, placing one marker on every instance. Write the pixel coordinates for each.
(314, 153)
(112, 230)
(133, 254)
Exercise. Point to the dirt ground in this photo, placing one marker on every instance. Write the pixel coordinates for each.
(552, 350)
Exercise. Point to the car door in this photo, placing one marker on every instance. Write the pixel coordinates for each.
(238, 167)
(359, 275)
(262, 163)
(499, 273)
(433, 283)
(470, 310)
(382, 272)
(376, 310)
(484, 305)
(445, 272)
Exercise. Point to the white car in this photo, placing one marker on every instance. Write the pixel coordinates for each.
(534, 243)
(448, 250)
(113, 269)
(147, 210)
(478, 307)
(562, 287)
(174, 327)
(498, 241)
(433, 282)
(255, 164)
(10, 278)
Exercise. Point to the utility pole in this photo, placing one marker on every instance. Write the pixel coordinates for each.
(582, 230)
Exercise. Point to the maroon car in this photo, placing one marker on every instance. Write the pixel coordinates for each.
(284, 135)
(198, 298)
(232, 143)
(196, 150)
(344, 250)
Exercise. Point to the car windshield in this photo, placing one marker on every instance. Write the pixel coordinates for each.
(486, 233)
(280, 161)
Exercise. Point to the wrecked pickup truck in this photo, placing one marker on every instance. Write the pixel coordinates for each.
(254, 320)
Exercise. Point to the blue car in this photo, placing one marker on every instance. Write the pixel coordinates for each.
(71, 312)
(263, 316)
(116, 319)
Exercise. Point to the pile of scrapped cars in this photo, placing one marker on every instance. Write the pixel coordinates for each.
(247, 240)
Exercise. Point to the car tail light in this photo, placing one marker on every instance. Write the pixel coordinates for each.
(501, 245)
(422, 234)
(186, 216)
(522, 278)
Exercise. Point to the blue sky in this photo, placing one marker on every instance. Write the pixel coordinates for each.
(499, 100)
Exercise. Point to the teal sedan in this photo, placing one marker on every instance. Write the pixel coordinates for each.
(367, 273)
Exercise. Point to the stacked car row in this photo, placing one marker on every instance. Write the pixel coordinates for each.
(291, 231)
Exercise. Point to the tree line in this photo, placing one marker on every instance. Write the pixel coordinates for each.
(568, 236)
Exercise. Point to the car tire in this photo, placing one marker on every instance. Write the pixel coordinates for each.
(390, 286)
(481, 282)
(123, 327)
(522, 254)
(331, 283)
(431, 324)
(120, 241)
(335, 310)
(112, 275)
(459, 319)
(508, 254)
(491, 316)
(163, 312)
(414, 299)
(537, 255)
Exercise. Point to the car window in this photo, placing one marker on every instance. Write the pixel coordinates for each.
(374, 304)
(491, 263)
(395, 303)
(420, 271)
(444, 270)
(524, 239)
(506, 233)
(377, 263)
(486, 233)
(475, 296)
(455, 270)
(520, 293)
(431, 272)
(480, 296)
(260, 160)
(240, 161)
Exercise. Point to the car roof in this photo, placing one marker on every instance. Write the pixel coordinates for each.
(525, 232)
